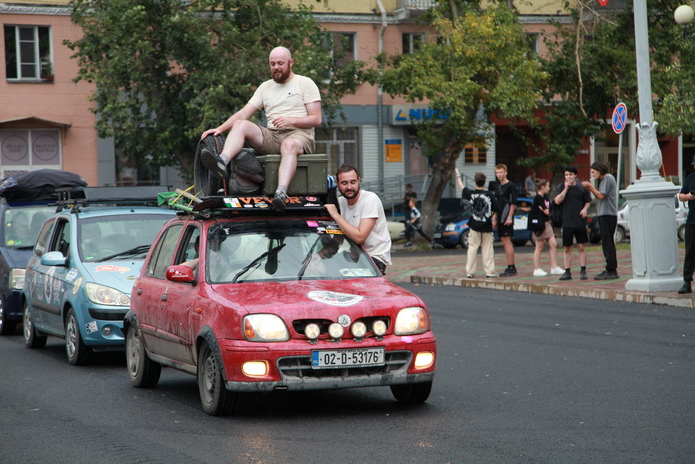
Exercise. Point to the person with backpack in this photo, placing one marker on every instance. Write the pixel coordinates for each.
(539, 223)
(483, 220)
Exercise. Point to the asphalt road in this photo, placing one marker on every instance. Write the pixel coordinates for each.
(522, 378)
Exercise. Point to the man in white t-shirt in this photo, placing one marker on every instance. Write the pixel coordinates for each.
(292, 105)
(362, 217)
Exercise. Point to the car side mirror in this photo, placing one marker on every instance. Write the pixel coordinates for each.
(181, 274)
(54, 258)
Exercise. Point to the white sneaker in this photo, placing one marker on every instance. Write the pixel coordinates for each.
(557, 270)
(539, 273)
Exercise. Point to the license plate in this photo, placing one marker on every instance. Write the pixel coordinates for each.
(331, 359)
(437, 235)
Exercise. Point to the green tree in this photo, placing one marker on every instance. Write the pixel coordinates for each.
(592, 68)
(166, 70)
(479, 65)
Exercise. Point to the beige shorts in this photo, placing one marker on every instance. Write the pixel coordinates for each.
(272, 139)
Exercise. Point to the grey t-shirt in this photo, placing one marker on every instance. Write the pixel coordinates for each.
(609, 205)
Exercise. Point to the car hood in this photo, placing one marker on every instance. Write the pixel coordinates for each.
(318, 298)
(17, 257)
(116, 274)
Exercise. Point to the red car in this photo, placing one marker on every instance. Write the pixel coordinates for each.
(250, 300)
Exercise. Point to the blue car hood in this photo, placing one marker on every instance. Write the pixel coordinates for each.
(116, 274)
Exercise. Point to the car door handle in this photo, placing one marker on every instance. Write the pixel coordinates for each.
(164, 297)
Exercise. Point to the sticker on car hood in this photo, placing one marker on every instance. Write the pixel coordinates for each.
(334, 298)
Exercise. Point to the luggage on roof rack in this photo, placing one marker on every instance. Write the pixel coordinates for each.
(41, 184)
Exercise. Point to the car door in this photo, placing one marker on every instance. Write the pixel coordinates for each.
(47, 282)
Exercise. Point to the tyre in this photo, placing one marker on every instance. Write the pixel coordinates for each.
(6, 327)
(619, 234)
(144, 373)
(463, 240)
(214, 396)
(207, 184)
(32, 338)
(78, 353)
(681, 233)
(412, 392)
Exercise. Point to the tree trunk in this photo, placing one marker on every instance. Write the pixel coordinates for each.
(442, 167)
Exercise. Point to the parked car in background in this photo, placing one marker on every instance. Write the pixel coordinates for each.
(252, 300)
(82, 268)
(24, 206)
(453, 230)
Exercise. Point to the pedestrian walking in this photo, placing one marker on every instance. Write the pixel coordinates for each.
(413, 223)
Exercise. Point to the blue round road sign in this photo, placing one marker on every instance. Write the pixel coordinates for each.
(619, 118)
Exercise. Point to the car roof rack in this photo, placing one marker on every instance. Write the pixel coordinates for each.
(140, 195)
(248, 204)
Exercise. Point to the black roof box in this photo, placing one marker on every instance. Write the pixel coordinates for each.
(38, 185)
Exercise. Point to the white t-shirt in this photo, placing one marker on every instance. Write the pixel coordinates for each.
(286, 99)
(378, 243)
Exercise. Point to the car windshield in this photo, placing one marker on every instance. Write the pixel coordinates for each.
(274, 254)
(125, 236)
(21, 225)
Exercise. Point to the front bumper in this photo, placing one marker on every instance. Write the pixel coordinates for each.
(289, 365)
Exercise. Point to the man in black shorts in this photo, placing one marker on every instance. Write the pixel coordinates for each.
(575, 201)
(506, 202)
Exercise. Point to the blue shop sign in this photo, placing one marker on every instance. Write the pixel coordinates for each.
(413, 114)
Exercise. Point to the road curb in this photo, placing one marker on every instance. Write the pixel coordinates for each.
(599, 294)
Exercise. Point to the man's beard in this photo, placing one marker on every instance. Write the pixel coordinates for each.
(281, 77)
(350, 194)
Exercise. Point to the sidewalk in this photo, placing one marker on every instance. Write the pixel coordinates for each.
(424, 266)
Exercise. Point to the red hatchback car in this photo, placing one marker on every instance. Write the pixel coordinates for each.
(250, 300)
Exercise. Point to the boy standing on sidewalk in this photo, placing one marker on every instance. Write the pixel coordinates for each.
(607, 213)
(483, 219)
(575, 201)
(506, 201)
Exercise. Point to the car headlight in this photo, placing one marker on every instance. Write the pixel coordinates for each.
(265, 328)
(101, 294)
(450, 227)
(411, 321)
(17, 278)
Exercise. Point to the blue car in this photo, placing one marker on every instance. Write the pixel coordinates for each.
(453, 229)
(82, 269)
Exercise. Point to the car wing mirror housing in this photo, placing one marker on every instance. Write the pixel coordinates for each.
(180, 273)
(54, 258)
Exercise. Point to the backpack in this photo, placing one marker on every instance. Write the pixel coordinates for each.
(555, 214)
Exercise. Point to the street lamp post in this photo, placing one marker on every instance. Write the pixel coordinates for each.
(652, 216)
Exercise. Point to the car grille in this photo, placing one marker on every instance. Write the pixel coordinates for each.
(102, 315)
(299, 367)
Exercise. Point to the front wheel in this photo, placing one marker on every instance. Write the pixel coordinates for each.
(144, 373)
(411, 393)
(681, 233)
(32, 338)
(78, 353)
(619, 234)
(214, 396)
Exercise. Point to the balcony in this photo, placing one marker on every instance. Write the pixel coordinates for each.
(412, 8)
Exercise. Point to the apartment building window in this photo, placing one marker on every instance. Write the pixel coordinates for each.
(412, 41)
(534, 43)
(342, 46)
(474, 155)
(340, 144)
(28, 53)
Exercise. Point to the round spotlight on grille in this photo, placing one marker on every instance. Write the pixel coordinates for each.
(312, 331)
(379, 328)
(358, 329)
(335, 330)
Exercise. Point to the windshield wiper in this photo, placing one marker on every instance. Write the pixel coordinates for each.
(307, 260)
(132, 252)
(257, 261)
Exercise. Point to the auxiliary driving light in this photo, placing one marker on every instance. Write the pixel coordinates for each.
(424, 359)
(255, 368)
(335, 330)
(107, 331)
(358, 329)
(379, 328)
(312, 331)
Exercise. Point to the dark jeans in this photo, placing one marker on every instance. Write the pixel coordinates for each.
(410, 233)
(607, 225)
(689, 260)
